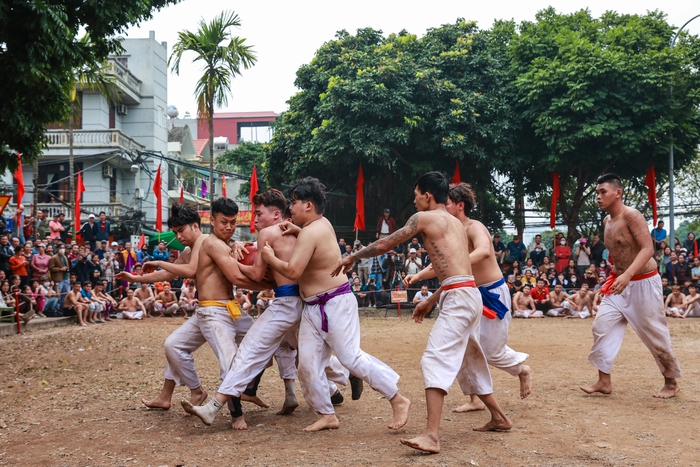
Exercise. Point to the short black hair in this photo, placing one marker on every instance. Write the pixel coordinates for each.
(86, 283)
(435, 183)
(271, 198)
(610, 178)
(463, 193)
(309, 189)
(181, 214)
(225, 206)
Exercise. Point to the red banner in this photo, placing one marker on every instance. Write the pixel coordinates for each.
(457, 177)
(243, 218)
(360, 201)
(555, 198)
(650, 182)
(158, 190)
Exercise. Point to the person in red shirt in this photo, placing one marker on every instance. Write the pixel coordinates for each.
(18, 265)
(386, 225)
(540, 295)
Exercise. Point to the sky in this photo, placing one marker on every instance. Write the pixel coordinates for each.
(286, 35)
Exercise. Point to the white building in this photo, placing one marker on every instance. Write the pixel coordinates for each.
(111, 143)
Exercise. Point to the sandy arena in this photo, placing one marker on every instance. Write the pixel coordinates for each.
(71, 397)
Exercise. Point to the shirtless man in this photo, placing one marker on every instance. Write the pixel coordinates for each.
(188, 298)
(242, 299)
(489, 279)
(263, 300)
(75, 302)
(453, 350)
(180, 345)
(278, 325)
(635, 274)
(131, 307)
(329, 321)
(557, 298)
(596, 301)
(579, 304)
(674, 302)
(145, 294)
(166, 302)
(524, 304)
(692, 302)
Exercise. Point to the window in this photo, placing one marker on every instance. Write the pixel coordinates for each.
(54, 182)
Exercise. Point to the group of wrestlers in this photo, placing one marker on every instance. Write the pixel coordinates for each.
(312, 327)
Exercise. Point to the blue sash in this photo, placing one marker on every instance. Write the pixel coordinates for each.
(289, 290)
(492, 301)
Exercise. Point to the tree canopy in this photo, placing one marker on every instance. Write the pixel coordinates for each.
(241, 159)
(40, 50)
(400, 105)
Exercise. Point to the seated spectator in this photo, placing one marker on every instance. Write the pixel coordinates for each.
(551, 276)
(166, 302)
(674, 304)
(50, 291)
(540, 295)
(499, 249)
(517, 287)
(599, 283)
(546, 265)
(570, 269)
(672, 270)
(109, 303)
(695, 270)
(37, 292)
(75, 305)
(692, 303)
(424, 294)
(188, 299)
(361, 296)
(557, 299)
(95, 308)
(538, 250)
(510, 282)
(573, 283)
(590, 278)
(603, 269)
(263, 301)
(131, 307)
(159, 287)
(544, 277)
(529, 265)
(516, 250)
(579, 304)
(371, 288)
(528, 279)
(145, 294)
(524, 305)
(241, 297)
(560, 280)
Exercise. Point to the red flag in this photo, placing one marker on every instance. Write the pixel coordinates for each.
(555, 197)
(182, 194)
(253, 190)
(142, 240)
(223, 186)
(650, 182)
(158, 190)
(79, 189)
(456, 177)
(360, 201)
(19, 176)
(695, 248)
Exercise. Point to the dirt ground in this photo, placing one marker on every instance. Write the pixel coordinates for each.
(71, 397)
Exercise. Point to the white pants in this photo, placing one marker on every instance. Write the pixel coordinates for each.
(494, 338)
(453, 349)
(210, 324)
(343, 337)
(694, 309)
(166, 310)
(188, 307)
(641, 305)
(132, 314)
(528, 314)
(554, 312)
(584, 313)
(94, 306)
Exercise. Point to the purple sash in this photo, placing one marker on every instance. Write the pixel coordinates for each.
(324, 298)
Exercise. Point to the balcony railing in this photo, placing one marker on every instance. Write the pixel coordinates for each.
(125, 76)
(92, 139)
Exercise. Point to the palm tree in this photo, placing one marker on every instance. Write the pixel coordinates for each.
(224, 57)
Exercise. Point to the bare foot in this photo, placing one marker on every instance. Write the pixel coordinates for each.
(239, 423)
(525, 381)
(206, 413)
(495, 425)
(197, 398)
(603, 388)
(255, 400)
(326, 422)
(290, 404)
(83, 325)
(401, 406)
(470, 407)
(668, 391)
(159, 402)
(425, 443)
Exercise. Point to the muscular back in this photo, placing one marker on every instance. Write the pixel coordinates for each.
(445, 240)
(319, 237)
(626, 236)
(483, 258)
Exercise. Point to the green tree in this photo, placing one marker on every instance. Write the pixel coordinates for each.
(400, 105)
(242, 159)
(224, 57)
(594, 95)
(40, 51)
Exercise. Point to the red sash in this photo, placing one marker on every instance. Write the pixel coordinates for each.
(605, 288)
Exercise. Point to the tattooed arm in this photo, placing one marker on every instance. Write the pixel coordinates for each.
(381, 246)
